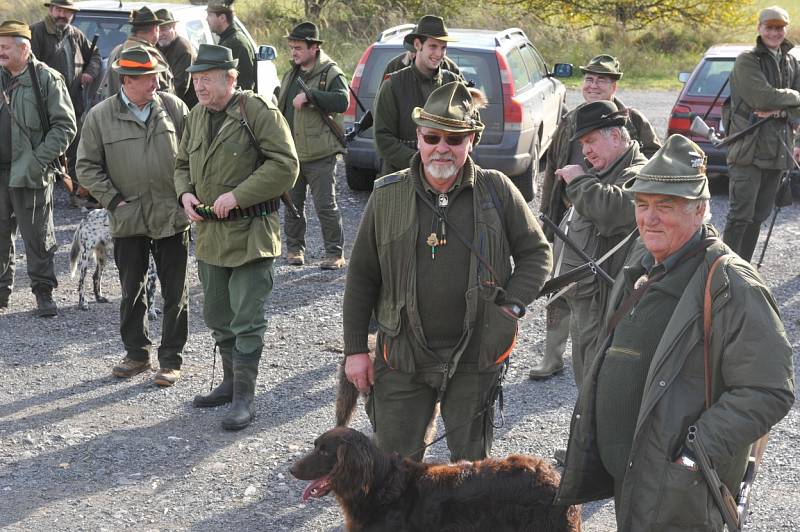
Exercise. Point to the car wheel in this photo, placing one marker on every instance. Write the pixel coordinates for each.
(525, 181)
(360, 179)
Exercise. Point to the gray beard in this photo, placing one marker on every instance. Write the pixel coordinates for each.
(441, 173)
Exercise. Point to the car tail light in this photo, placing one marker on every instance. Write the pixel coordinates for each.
(680, 120)
(512, 108)
(350, 114)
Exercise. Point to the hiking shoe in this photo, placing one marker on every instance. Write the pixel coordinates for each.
(332, 263)
(546, 369)
(4, 300)
(130, 367)
(45, 306)
(296, 258)
(167, 376)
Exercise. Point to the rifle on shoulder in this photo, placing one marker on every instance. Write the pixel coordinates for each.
(329, 121)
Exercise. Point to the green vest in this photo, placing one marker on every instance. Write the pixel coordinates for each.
(396, 231)
(313, 139)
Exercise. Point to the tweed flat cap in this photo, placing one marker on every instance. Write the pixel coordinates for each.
(774, 15)
(677, 169)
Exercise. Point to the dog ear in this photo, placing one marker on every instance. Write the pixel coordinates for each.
(353, 472)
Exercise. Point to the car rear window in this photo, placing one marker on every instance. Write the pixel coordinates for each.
(112, 29)
(711, 75)
(480, 68)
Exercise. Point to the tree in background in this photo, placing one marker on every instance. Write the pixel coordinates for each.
(629, 15)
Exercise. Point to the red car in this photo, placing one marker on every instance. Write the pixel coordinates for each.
(701, 86)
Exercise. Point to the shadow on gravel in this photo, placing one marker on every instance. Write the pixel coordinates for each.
(51, 417)
(291, 399)
(54, 395)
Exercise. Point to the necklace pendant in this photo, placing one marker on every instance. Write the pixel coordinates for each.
(442, 200)
(432, 240)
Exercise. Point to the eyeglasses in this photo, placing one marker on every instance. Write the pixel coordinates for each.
(450, 140)
(599, 81)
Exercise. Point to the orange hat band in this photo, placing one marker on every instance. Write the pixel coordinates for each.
(127, 63)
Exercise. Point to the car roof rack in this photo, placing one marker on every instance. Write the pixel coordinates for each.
(395, 30)
(508, 34)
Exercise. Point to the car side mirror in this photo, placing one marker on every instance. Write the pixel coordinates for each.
(562, 70)
(683, 77)
(266, 53)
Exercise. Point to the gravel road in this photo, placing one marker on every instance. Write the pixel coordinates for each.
(81, 450)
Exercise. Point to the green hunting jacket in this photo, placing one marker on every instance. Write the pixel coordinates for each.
(382, 275)
(604, 215)
(395, 131)
(760, 82)
(113, 82)
(228, 163)
(313, 138)
(552, 200)
(242, 50)
(32, 149)
(122, 159)
(752, 381)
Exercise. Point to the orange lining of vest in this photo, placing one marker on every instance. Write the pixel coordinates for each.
(507, 352)
(386, 354)
(135, 64)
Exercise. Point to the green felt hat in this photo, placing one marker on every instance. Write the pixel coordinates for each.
(449, 108)
(166, 17)
(220, 6)
(305, 31)
(64, 4)
(211, 57)
(677, 169)
(144, 17)
(429, 26)
(604, 65)
(137, 61)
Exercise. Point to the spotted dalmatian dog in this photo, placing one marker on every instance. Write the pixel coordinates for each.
(93, 238)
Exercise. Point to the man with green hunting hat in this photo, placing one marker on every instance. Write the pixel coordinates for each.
(317, 140)
(655, 403)
(179, 53)
(235, 160)
(433, 260)
(64, 47)
(126, 158)
(145, 30)
(30, 93)
(600, 77)
(601, 221)
(765, 82)
(220, 20)
(395, 131)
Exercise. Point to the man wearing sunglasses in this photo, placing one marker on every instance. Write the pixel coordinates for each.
(433, 260)
(600, 77)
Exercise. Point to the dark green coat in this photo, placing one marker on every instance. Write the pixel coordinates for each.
(29, 167)
(753, 388)
(243, 51)
(395, 131)
(552, 200)
(604, 215)
(180, 55)
(759, 82)
(51, 45)
(228, 163)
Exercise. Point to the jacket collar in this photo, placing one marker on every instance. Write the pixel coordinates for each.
(762, 49)
(228, 32)
(436, 77)
(465, 180)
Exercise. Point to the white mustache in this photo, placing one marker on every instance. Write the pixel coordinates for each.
(443, 158)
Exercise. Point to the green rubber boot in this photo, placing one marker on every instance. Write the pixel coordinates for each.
(242, 411)
(223, 393)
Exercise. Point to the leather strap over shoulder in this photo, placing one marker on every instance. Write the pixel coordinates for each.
(707, 326)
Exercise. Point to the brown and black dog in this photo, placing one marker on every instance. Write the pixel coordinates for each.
(378, 491)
